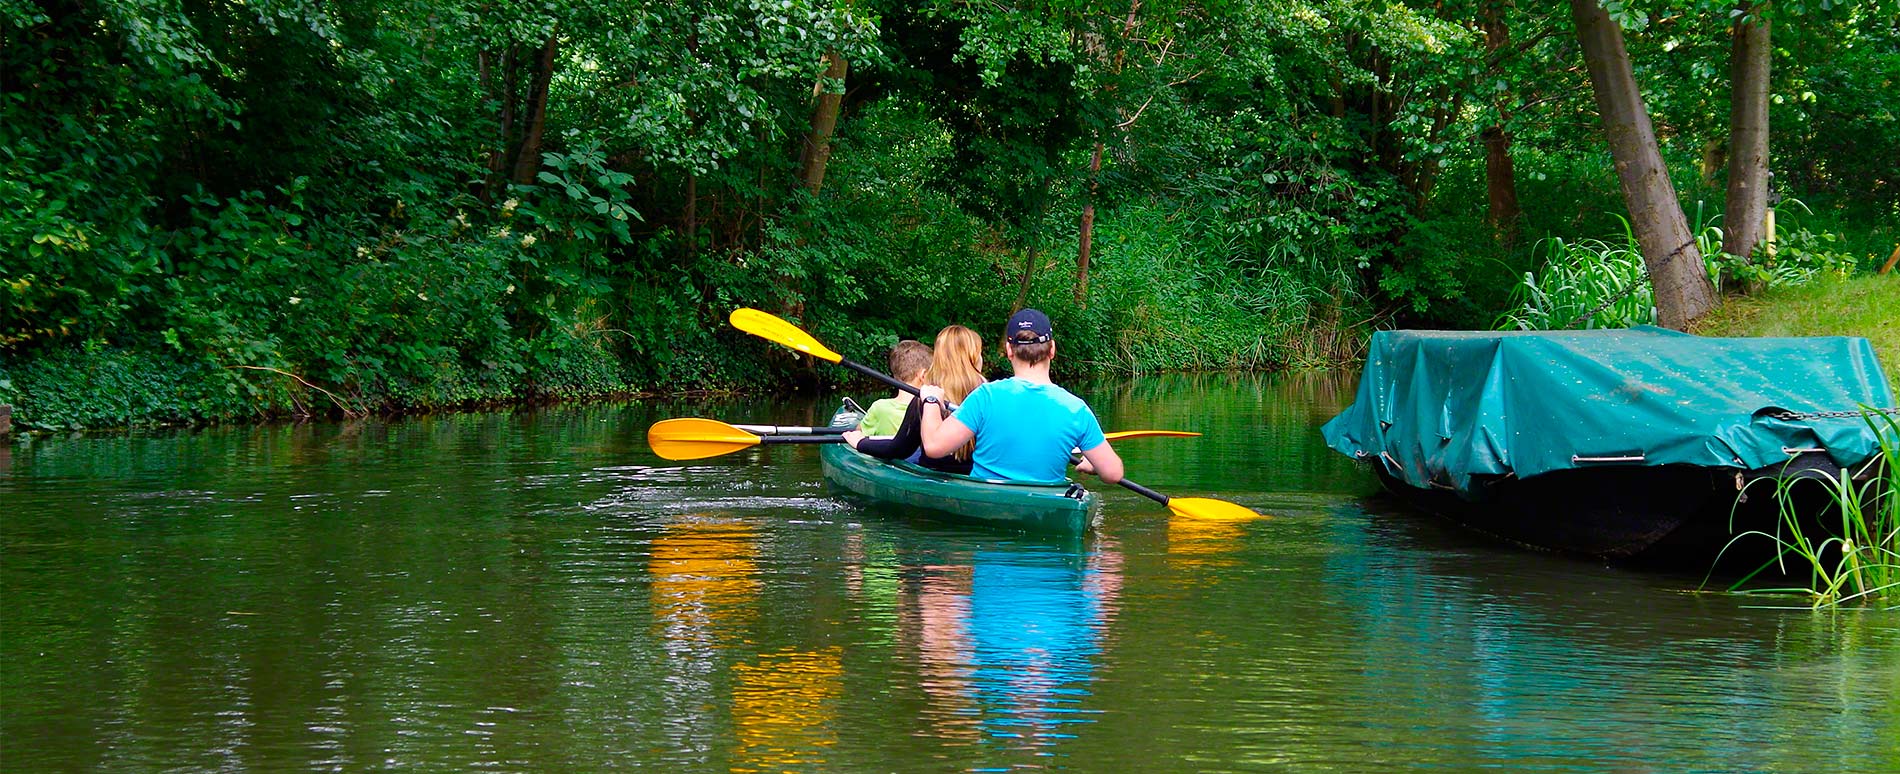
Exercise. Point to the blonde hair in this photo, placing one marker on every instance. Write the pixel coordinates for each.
(956, 365)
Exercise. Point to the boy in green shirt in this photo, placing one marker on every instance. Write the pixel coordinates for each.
(909, 361)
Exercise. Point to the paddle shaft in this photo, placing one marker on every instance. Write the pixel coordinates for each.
(1145, 491)
(888, 379)
(792, 430)
(878, 375)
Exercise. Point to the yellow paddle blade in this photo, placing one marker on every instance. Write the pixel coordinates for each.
(772, 328)
(694, 439)
(1211, 510)
(1120, 434)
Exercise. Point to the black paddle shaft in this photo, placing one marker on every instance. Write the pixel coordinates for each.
(878, 375)
(888, 379)
(1145, 491)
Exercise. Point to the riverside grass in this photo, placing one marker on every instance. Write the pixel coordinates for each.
(1859, 563)
(1594, 283)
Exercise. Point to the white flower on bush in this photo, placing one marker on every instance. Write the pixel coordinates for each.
(295, 300)
(511, 289)
(423, 296)
(527, 240)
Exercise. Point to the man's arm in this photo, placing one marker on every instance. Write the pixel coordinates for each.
(941, 437)
(1103, 461)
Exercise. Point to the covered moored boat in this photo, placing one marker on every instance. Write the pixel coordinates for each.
(1610, 443)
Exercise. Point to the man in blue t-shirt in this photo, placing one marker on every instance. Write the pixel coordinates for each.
(1024, 427)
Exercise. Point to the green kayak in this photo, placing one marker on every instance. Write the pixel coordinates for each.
(1053, 507)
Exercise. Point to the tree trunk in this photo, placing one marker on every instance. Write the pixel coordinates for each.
(1086, 240)
(1748, 134)
(692, 214)
(499, 159)
(1714, 158)
(1500, 185)
(1500, 175)
(1088, 232)
(816, 152)
(528, 160)
(1029, 276)
(1683, 290)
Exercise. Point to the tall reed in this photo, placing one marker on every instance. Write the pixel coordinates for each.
(1860, 562)
(1578, 276)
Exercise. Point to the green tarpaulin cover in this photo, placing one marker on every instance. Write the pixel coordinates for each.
(1439, 407)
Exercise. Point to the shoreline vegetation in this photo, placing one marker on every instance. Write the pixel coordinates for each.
(220, 213)
(157, 392)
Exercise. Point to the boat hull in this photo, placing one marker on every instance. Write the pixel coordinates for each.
(1057, 508)
(1675, 515)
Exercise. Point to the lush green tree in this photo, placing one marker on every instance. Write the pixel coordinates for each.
(440, 201)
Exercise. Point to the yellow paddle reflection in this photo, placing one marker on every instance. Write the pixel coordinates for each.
(784, 708)
(1201, 543)
(705, 581)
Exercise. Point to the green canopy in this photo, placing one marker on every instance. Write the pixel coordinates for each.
(1439, 407)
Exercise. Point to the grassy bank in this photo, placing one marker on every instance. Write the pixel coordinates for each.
(1866, 306)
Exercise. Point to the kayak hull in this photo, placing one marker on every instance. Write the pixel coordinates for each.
(1057, 508)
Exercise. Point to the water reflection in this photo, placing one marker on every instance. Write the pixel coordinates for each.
(1541, 663)
(784, 706)
(536, 592)
(934, 618)
(1036, 623)
(1199, 543)
(705, 581)
(704, 588)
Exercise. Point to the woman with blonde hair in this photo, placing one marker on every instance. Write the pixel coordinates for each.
(956, 365)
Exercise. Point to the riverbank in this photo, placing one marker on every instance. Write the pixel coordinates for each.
(100, 386)
(1865, 305)
(94, 387)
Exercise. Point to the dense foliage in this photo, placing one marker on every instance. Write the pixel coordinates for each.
(223, 210)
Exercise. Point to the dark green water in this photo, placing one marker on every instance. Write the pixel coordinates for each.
(537, 592)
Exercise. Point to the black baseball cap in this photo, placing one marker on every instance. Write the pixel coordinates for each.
(1031, 321)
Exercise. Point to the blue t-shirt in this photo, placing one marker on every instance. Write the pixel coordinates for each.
(1024, 430)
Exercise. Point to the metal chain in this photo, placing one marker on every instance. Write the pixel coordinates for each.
(1792, 416)
(1630, 288)
(1612, 300)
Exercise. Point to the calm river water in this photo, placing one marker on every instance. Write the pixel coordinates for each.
(535, 591)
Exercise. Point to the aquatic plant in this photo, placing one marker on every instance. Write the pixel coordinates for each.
(1860, 561)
